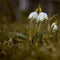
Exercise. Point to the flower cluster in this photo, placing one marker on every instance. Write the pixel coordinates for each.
(38, 15)
(40, 25)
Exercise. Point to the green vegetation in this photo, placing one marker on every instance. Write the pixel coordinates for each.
(15, 47)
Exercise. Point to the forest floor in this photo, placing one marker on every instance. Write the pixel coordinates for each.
(13, 47)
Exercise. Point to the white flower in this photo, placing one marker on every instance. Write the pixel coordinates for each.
(33, 15)
(42, 16)
(54, 27)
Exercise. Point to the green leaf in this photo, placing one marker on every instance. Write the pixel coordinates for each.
(18, 34)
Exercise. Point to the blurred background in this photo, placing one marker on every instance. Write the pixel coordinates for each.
(14, 21)
(17, 9)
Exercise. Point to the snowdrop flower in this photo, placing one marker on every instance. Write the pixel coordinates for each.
(54, 27)
(33, 15)
(42, 16)
(38, 15)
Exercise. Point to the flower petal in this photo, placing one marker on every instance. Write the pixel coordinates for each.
(42, 16)
(33, 15)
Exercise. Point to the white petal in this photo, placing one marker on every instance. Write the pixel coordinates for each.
(53, 25)
(42, 16)
(55, 28)
(46, 16)
(33, 15)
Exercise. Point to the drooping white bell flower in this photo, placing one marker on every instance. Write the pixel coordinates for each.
(54, 27)
(42, 16)
(33, 15)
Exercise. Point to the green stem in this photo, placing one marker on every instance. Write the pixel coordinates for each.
(30, 31)
(56, 35)
(48, 22)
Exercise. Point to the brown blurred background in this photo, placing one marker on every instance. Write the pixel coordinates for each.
(12, 10)
(14, 23)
